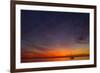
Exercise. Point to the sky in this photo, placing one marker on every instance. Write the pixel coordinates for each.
(43, 31)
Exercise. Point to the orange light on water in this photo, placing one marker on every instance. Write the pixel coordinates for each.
(57, 55)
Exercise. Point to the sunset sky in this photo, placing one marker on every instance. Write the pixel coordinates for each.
(46, 33)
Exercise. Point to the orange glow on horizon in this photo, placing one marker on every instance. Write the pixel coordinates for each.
(57, 53)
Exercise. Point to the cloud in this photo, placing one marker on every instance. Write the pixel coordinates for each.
(82, 40)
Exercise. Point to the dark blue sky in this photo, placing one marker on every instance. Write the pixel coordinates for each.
(49, 30)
